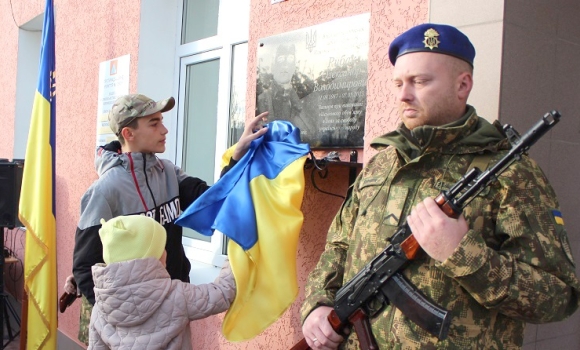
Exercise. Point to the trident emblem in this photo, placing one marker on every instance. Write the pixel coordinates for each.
(431, 41)
(311, 40)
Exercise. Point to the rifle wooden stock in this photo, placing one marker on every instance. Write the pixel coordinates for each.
(362, 327)
(443, 203)
(301, 345)
(411, 247)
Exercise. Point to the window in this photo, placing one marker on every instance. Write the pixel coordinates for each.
(199, 20)
(237, 112)
(212, 61)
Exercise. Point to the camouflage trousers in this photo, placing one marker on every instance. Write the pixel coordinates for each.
(85, 320)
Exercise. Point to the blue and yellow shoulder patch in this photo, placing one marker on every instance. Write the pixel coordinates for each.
(558, 217)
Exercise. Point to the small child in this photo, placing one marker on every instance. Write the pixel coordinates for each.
(137, 305)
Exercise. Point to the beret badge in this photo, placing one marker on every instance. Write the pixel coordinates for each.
(431, 38)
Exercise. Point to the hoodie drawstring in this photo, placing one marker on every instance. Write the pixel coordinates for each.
(149, 187)
(137, 182)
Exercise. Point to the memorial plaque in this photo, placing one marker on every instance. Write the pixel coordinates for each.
(316, 78)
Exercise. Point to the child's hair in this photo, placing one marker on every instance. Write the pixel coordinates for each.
(132, 237)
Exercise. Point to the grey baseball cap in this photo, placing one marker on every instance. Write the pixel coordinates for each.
(130, 107)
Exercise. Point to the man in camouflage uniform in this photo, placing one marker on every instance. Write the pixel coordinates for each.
(504, 262)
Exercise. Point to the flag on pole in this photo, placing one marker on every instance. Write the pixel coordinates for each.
(37, 207)
(258, 205)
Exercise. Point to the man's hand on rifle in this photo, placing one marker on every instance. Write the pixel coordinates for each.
(436, 233)
(318, 332)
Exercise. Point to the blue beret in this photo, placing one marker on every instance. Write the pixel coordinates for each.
(430, 37)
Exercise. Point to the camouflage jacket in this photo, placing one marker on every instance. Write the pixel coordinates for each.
(513, 266)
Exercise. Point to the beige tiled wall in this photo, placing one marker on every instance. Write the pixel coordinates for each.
(528, 63)
(482, 22)
(540, 72)
(487, 38)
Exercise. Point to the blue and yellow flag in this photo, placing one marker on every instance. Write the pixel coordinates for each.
(37, 209)
(558, 217)
(257, 204)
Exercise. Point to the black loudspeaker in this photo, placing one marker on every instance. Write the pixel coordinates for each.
(10, 183)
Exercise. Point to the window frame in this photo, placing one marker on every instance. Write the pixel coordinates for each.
(219, 47)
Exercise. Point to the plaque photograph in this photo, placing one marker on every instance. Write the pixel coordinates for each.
(316, 78)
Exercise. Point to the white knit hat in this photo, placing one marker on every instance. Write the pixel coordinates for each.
(132, 237)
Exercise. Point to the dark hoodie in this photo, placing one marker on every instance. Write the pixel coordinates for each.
(133, 183)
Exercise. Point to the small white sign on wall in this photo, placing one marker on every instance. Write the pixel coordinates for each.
(113, 83)
(277, 1)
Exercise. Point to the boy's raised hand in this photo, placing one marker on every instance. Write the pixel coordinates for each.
(254, 129)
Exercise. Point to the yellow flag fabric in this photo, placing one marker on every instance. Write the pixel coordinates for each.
(257, 204)
(265, 274)
(36, 210)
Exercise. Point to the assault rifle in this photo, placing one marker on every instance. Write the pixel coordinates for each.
(381, 282)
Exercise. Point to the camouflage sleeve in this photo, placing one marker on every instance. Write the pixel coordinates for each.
(327, 277)
(530, 275)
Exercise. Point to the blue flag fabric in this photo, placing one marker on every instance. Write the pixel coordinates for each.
(228, 206)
